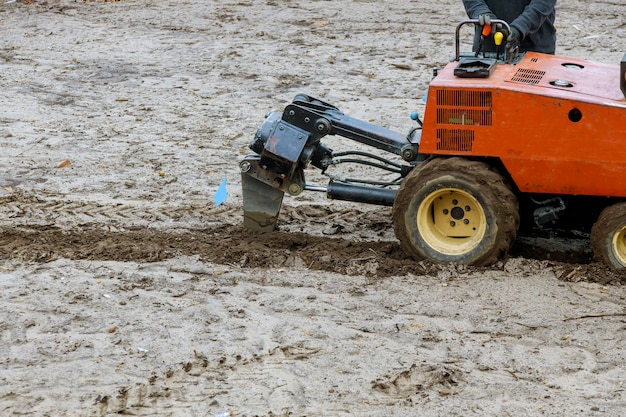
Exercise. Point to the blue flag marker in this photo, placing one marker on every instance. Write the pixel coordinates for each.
(221, 194)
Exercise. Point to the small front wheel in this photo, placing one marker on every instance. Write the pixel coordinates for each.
(608, 236)
(456, 210)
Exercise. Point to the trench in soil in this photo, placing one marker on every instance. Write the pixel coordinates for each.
(236, 246)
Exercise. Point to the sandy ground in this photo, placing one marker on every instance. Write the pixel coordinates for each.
(125, 290)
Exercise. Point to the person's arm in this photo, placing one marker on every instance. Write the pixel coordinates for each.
(475, 8)
(533, 16)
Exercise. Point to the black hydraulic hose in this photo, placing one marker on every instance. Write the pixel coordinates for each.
(368, 163)
(369, 155)
(368, 182)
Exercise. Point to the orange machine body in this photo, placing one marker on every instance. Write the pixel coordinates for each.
(558, 125)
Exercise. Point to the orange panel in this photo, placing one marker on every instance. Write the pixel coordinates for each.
(557, 124)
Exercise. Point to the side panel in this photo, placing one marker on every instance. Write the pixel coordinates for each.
(550, 140)
(558, 146)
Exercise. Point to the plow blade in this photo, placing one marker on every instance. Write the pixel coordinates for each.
(261, 204)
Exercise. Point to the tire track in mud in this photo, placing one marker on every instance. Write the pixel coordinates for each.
(174, 389)
(155, 396)
(29, 210)
(38, 230)
(170, 390)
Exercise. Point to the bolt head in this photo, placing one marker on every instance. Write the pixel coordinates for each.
(294, 189)
(245, 166)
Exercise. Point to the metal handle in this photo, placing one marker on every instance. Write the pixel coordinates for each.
(457, 55)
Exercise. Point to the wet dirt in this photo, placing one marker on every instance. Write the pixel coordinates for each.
(126, 290)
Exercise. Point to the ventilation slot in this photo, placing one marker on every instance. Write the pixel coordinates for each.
(528, 76)
(464, 107)
(464, 98)
(455, 140)
(466, 117)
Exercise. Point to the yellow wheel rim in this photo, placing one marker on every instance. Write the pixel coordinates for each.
(452, 222)
(619, 246)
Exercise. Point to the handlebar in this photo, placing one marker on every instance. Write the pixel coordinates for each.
(475, 22)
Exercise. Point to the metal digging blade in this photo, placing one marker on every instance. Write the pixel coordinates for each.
(261, 204)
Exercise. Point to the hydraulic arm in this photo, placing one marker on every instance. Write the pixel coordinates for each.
(286, 143)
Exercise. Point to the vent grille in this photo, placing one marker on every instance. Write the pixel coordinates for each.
(456, 108)
(455, 140)
(464, 98)
(528, 76)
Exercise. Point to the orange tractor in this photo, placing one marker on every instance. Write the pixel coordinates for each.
(509, 145)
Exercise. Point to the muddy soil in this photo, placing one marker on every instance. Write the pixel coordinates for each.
(126, 290)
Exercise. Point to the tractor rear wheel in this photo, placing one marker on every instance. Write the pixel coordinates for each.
(608, 236)
(455, 210)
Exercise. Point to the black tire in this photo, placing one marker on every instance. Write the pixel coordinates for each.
(455, 210)
(608, 236)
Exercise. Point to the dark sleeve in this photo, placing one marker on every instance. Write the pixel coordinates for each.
(475, 8)
(534, 15)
